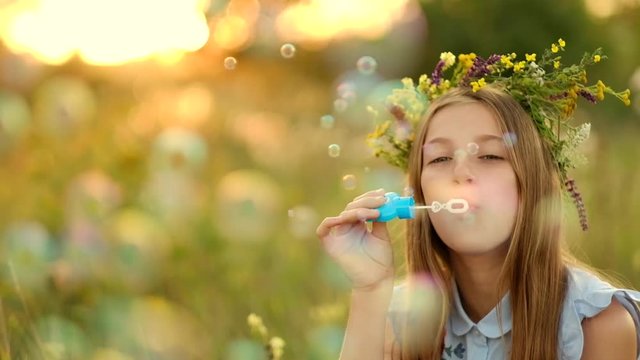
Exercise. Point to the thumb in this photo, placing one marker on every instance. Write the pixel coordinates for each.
(379, 230)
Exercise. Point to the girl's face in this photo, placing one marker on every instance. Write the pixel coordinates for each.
(465, 156)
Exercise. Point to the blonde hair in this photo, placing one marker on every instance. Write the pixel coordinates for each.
(536, 261)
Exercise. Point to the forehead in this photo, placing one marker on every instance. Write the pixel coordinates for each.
(462, 121)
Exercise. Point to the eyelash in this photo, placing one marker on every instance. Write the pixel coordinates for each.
(493, 157)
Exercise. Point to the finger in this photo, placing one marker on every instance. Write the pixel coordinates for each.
(346, 217)
(367, 202)
(379, 230)
(377, 192)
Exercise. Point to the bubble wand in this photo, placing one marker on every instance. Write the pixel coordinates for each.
(403, 207)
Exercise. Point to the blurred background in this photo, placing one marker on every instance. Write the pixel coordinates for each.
(164, 164)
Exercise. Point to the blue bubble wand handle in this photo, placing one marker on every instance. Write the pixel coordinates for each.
(403, 207)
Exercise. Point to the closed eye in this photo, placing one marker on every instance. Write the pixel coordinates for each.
(491, 157)
(440, 159)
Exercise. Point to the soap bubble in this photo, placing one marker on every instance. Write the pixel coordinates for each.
(248, 203)
(230, 63)
(367, 169)
(472, 148)
(510, 139)
(419, 304)
(327, 121)
(334, 150)
(287, 51)
(459, 154)
(340, 105)
(349, 182)
(303, 221)
(367, 65)
(408, 191)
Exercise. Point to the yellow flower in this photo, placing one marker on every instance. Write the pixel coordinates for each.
(519, 66)
(506, 61)
(477, 85)
(625, 97)
(277, 345)
(467, 59)
(596, 58)
(531, 57)
(554, 48)
(561, 43)
(448, 58)
(513, 55)
(601, 87)
(556, 64)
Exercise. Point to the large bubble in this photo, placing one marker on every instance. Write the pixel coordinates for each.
(63, 104)
(247, 204)
(178, 148)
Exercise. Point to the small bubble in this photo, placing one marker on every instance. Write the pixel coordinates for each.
(349, 182)
(367, 169)
(459, 154)
(408, 191)
(230, 63)
(334, 150)
(327, 121)
(291, 213)
(472, 148)
(287, 51)
(468, 218)
(510, 139)
(340, 105)
(367, 65)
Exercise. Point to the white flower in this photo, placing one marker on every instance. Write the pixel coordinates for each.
(448, 58)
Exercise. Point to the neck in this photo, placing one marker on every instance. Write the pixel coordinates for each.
(477, 280)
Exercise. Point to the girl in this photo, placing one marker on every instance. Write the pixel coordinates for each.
(509, 288)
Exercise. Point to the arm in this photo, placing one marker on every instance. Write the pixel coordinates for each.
(367, 324)
(610, 335)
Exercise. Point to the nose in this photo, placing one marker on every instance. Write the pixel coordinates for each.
(462, 171)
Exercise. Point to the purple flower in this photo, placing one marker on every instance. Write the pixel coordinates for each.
(587, 95)
(577, 199)
(480, 68)
(436, 76)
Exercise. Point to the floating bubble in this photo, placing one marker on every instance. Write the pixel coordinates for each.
(349, 182)
(469, 218)
(303, 221)
(230, 63)
(460, 154)
(340, 105)
(61, 338)
(287, 51)
(178, 148)
(327, 121)
(28, 249)
(367, 169)
(15, 117)
(473, 148)
(63, 104)
(325, 342)
(345, 88)
(367, 65)
(510, 139)
(418, 302)
(334, 150)
(408, 191)
(248, 203)
(245, 350)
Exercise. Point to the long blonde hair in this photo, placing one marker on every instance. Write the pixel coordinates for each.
(535, 267)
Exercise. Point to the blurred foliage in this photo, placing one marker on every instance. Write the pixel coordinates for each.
(147, 209)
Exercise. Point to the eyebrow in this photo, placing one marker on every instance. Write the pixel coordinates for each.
(478, 139)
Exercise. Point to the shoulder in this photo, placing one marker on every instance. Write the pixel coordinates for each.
(598, 319)
(610, 334)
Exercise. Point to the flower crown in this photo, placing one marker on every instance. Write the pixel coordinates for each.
(546, 89)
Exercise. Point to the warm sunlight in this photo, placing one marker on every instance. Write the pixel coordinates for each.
(103, 32)
(318, 21)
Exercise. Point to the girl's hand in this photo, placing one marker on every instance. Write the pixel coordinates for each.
(366, 256)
